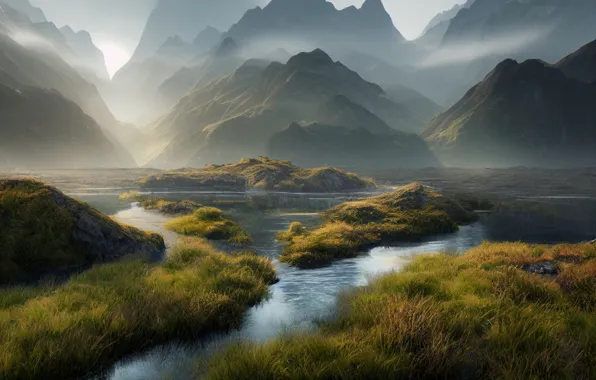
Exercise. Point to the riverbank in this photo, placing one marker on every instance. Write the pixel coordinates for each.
(480, 315)
(114, 310)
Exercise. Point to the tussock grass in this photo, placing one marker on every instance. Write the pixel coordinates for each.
(42, 230)
(476, 316)
(58, 332)
(408, 214)
(260, 173)
(163, 206)
(210, 223)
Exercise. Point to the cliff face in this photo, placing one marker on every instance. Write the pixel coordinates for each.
(526, 113)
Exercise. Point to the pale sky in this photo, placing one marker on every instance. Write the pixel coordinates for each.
(116, 25)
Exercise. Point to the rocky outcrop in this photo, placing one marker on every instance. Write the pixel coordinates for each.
(44, 231)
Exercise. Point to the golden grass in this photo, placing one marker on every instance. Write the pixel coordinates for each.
(57, 332)
(210, 223)
(409, 213)
(261, 173)
(478, 316)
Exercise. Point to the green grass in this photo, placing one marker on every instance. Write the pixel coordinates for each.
(477, 316)
(37, 231)
(163, 206)
(57, 332)
(210, 223)
(260, 173)
(406, 214)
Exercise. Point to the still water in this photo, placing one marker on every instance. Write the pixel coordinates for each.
(296, 302)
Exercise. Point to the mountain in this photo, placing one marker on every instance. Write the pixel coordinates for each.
(222, 60)
(233, 117)
(526, 113)
(315, 145)
(24, 7)
(432, 35)
(187, 18)
(544, 29)
(581, 65)
(311, 24)
(89, 57)
(42, 129)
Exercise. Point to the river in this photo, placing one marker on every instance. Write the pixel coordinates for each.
(300, 298)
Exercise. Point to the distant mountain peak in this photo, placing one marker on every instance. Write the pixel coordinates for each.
(316, 57)
(227, 46)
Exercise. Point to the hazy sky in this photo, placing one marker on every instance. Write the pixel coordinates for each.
(116, 25)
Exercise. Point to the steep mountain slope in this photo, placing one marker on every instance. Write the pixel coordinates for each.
(42, 129)
(526, 113)
(222, 60)
(234, 117)
(34, 14)
(186, 18)
(581, 65)
(316, 145)
(88, 56)
(318, 24)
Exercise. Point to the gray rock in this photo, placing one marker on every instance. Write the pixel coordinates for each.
(547, 268)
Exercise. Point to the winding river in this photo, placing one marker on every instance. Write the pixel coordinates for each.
(296, 302)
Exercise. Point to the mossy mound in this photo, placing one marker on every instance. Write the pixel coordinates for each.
(210, 223)
(43, 230)
(476, 316)
(184, 207)
(409, 213)
(122, 308)
(259, 173)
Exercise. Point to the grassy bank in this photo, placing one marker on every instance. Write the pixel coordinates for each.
(478, 316)
(115, 309)
(210, 223)
(407, 214)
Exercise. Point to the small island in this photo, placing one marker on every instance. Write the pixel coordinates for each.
(259, 174)
(408, 213)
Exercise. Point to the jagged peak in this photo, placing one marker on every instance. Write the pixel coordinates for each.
(373, 5)
(227, 46)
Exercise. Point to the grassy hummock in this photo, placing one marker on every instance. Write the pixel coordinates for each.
(113, 310)
(184, 207)
(476, 316)
(259, 173)
(210, 223)
(43, 231)
(409, 213)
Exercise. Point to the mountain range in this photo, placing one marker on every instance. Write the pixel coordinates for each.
(530, 113)
(235, 116)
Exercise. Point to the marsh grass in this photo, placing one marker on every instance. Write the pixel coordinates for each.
(476, 316)
(210, 223)
(409, 213)
(58, 332)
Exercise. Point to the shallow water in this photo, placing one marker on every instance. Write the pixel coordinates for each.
(302, 296)
(299, 299)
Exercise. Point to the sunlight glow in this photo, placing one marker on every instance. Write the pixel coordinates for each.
(115, 57)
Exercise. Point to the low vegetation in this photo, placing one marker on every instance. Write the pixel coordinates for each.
(476, 316)
(259, 173)
(43, 231)
(57, 332)
(407, 214)
(184, 207)
(210, 223)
